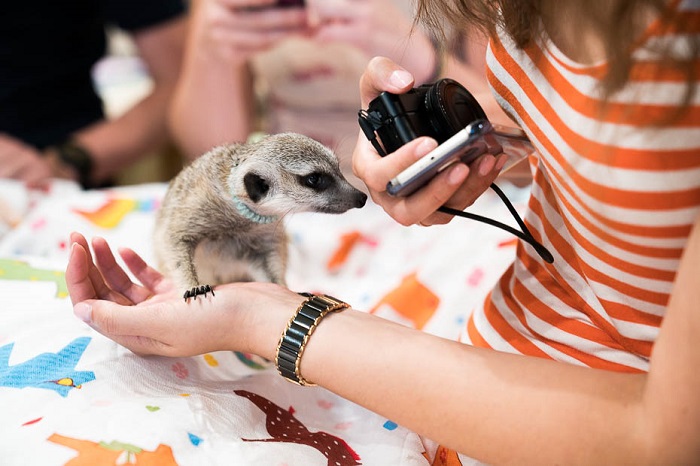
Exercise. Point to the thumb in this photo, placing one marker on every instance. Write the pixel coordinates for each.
(382, 74)
(114, 319)
(83, 310)
(127, 326)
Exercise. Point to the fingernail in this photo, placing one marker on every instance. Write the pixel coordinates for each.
(84, 312)
(401, 78)
(425, 147)
(457, 174)
(500, 163)
(486, 165)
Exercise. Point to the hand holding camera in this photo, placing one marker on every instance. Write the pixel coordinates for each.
(457, 186)
(448, 113)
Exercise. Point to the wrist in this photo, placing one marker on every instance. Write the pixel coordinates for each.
(293, 341)
(58, 168)
(265, 321)
(71, 160)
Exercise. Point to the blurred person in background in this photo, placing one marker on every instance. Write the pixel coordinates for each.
(52, 120)
(252, 65)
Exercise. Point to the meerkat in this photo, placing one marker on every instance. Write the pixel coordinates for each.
(221, 219)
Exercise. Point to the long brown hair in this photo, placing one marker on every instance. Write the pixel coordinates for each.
(617, 22)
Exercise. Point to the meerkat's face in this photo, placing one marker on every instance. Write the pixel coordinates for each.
(290, 173)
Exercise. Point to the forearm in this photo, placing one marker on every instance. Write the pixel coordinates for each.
(674, 380)
(214, 103)
(214, 100)
(118, 143)
(497, 407)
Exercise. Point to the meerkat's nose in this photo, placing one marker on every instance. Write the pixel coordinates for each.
(360, 199)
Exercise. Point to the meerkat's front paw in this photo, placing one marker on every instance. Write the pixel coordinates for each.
(196, 291)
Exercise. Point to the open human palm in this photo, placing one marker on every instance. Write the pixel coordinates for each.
(151, 318)
(102, 278)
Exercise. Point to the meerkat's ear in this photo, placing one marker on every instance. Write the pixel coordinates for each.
(255, 186)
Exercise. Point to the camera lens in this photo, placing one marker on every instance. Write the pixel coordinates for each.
(451, 107)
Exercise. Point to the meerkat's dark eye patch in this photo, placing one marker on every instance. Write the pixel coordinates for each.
(317, 181)
(256, 186)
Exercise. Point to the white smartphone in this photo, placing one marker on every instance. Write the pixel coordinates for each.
(468, 144)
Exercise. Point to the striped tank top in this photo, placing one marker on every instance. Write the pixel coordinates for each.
(614, 197)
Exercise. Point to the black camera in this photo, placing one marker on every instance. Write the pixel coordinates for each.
(450, 114)
(438, 110)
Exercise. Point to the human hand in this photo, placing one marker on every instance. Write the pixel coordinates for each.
(153, 318)
(379, 28)
(458, 186)
(237, 30)
(23, 162)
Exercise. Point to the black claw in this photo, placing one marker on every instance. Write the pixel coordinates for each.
(196, 291)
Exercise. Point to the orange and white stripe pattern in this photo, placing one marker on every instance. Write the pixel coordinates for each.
(613, 198)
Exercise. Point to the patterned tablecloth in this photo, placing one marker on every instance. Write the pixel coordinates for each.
(70, 396)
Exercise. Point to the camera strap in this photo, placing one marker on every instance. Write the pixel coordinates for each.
(369, 122)
(525, 234)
